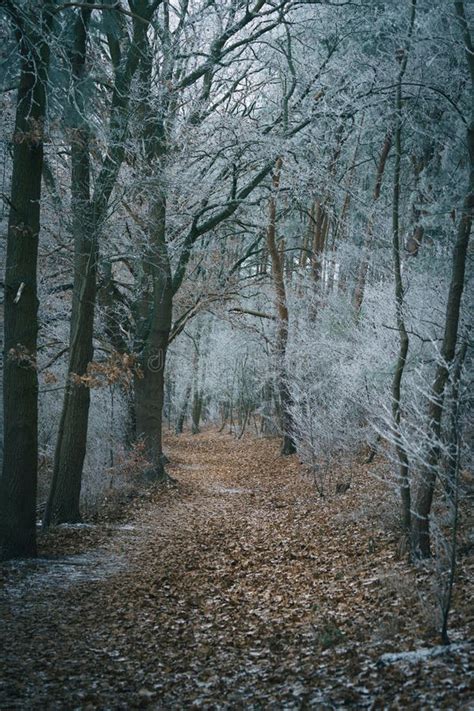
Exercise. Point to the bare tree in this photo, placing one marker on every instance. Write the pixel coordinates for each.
(32, 26)
(424, 495)
(399, 289)
(88, 222)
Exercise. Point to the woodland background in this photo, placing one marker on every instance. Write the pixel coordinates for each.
(251, 216)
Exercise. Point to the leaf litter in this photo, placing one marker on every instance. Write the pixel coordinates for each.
(240, 588)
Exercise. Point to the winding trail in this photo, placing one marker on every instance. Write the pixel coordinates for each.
(238, 589)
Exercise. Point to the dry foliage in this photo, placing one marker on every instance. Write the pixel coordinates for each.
(117, 369)
(22, 357)
(33, 136)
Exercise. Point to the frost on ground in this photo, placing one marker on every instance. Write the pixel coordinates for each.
(209, 598)
(35, 576)
(421, 655)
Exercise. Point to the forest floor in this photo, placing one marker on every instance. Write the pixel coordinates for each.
(238, 588)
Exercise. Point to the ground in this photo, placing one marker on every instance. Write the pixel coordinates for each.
(238, 588)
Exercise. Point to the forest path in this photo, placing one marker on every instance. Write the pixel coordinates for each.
(238, 589)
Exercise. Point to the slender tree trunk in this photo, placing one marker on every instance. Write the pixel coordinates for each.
(424, 497)
(320, 229)
(288, 444)
(197, 403)
(303, 258)
(19, 475)
(403, 462)
(403, 342)
(364, 265)
(63, 501)
(452, 488)
(453, 436)
(183, 411)
(196, 412)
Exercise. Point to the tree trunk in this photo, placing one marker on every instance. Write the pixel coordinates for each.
(196, 412)
(453, 435)
(403, 462)
(288, 443)
(424, 498)
(63, 500)
(183, 411)
(320, 222)
(19, 475)
(154, 317)
(197, 403)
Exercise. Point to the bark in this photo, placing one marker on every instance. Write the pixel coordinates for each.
(183, 411)
(288, 444)
(197, 404)
(196, 412)
(19, 475)
(154, 319)
(320, 223)
(424, 497)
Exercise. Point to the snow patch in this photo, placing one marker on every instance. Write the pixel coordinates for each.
(230, 490)
(44, 574)
(39, 524)
(420, 655)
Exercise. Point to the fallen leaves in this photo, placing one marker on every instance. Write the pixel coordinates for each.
(240, 588)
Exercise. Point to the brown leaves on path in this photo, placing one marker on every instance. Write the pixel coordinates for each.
(240, 588)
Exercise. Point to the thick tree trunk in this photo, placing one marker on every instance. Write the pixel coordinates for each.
(154, 318)
(149, 400)
(424, 498)
(19, 476)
